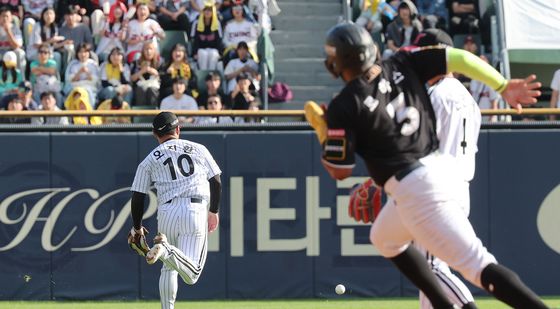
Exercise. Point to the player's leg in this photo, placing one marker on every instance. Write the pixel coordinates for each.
(168, 287)
(429, 208)
(392, 239)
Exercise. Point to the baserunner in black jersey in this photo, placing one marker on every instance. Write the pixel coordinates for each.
(384, 115)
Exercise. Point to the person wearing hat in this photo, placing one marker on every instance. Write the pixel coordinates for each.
(242, 64)
(206, 33)
(11, 39)
(179, 100)
(10, 76)
(115, 103)
(48, 103)
(25, 94)
(187, 179)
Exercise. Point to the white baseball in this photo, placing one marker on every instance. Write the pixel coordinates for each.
(340, 289)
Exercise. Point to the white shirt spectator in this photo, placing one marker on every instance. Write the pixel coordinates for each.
(236, 32)
(484, 95)
(186, 102)
(5, 41)
(235, 65)
(146, 30)
(35, 7)
(555, 85)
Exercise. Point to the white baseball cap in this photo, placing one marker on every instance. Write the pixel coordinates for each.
(10, 59)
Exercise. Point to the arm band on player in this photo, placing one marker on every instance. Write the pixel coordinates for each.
(137, 208)
(467, 63)
(215, 193)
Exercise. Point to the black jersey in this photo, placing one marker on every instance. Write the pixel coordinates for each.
(389, 121)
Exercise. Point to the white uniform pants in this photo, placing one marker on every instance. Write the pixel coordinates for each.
(428, 209)
(186, 226)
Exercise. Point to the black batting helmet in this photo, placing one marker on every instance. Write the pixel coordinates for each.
(349, 47)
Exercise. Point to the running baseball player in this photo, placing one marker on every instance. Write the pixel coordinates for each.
(384, 114)
(186, 178)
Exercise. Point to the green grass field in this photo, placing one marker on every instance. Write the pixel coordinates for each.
(385, 303)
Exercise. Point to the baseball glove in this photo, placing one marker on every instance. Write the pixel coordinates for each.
(137, 240)
(365, 202)
(315, 115)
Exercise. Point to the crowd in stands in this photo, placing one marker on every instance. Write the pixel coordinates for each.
(110, 54)
(396, 23)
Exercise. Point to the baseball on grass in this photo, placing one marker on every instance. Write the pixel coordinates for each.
(340, 289)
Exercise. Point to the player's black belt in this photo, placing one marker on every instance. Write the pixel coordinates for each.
(407, 170)
(193, 200)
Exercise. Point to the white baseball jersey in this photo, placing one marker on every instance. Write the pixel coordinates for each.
(178, 168)
(457, 122)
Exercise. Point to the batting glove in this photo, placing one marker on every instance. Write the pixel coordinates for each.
(137, 240)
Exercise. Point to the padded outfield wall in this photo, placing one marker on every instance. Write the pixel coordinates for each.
(284, 233)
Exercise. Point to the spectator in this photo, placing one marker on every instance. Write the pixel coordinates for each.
(370, 18)
(25, 94)
(463, 16)
(486, 97)
(243, 98)
(115, 77)
(78, 99)
(76, 32)
(17, 10)
(403, 30)
(83, 9)
(10, 38)
(227, 14)
(259, 9)
(214, 103)
(470, 45)
(207, 37)
(145, 76)
(178, 66)
(10, 76)
(213, 88)
(48, 103)
(240, 30)
(433, 9)
(116, 103)
(14, 105)
(46, 32)
(173, 15)
(142, 30)
(113, 32)
(242, 64)
(33, 12)
(554, 97)
(44, 76)
(83, 72)
(179, 100)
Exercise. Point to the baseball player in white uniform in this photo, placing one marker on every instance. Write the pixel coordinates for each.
(186, 178)
(457, 126)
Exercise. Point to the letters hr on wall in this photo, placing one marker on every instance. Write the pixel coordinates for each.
(110, 224)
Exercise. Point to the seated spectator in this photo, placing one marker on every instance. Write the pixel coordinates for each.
(48, 103)
(145, 76)
(243, 98)
(173, 15)
(240, 65)
(178, 66)
(142, 30)
(46, 32)
(116, 103)
(78, 99)
(463, 17)
(403, 30)
(207, 37)
(44, 76)
(83, 72)
(486, 97)
(240, 30)
(179, 100)
(115, 77)
(16, 8)
(213, 88)
(10, 76)
(83, 8)
(113, 31)
(10, 38)
(14, 105)
(435, 10)
(76, 32)
(370, 18)
(214, 103)
(470, 45)
(25, 94)
(33, 12)
(227, 14)
(554, 97)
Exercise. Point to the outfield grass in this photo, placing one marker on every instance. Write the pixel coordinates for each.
(385, 303)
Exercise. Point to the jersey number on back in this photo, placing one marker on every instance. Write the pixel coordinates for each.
(180, 164)
(407, 117)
